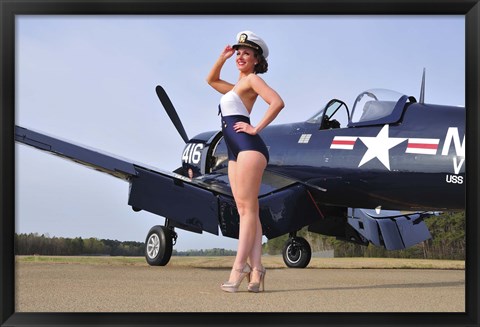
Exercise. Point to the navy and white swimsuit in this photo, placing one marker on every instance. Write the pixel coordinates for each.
(233, 110)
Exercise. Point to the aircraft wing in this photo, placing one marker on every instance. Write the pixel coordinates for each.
(204, 203)
(92, 158)
(196, 205)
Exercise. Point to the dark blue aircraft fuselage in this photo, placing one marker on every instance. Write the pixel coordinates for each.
(416, 163)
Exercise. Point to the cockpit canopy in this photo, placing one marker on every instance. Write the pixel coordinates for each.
(375, 106)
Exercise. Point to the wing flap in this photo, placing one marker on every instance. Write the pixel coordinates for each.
(392, 229)
(190, 206)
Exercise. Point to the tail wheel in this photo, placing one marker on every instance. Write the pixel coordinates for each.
(159, 245)
(297, 253)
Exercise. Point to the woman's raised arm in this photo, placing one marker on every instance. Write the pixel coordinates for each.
(213, 78)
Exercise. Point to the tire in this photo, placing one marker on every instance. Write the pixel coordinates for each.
(297, 253)
(158, 246)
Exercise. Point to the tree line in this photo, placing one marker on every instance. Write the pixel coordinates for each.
(35, 244)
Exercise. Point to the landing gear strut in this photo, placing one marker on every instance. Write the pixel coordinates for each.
(159, 244)
(296, 252)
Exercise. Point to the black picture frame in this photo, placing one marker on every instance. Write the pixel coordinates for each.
(10, 8)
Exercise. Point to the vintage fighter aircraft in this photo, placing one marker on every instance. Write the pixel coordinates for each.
(342, 173)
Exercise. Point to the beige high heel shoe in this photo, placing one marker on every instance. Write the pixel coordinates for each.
(232, 287)
(255, 287)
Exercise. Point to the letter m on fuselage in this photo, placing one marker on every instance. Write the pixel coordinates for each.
(452, 135)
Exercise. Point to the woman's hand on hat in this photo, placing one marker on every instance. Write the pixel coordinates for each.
(228, 52)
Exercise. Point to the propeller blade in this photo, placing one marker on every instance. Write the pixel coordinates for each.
(172, 113)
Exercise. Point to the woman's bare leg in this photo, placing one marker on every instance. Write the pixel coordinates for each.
(245, 179)
(256, 253)
(232, 178)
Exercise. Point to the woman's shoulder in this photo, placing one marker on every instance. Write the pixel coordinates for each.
(250, 83)
(254, 80)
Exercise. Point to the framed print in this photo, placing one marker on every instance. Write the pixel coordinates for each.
(86, 72)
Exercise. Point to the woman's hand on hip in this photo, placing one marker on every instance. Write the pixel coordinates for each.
(242, 127)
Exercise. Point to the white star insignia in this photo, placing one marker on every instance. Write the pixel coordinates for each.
(379, 146)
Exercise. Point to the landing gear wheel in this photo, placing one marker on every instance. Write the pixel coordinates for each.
(297, 253)
(158, 246)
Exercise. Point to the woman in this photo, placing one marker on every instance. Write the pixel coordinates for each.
(248, 155)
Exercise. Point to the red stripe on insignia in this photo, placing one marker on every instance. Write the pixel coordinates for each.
(423, 146)
(343, 142)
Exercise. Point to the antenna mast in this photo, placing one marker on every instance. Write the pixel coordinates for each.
(422, 89)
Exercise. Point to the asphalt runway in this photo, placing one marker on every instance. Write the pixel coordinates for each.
(65, 287)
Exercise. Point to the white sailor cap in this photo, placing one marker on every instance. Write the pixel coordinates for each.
(251, 40)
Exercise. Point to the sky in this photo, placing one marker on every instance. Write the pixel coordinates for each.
(91, 80)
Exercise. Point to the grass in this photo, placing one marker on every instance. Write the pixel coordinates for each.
(269, 262)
